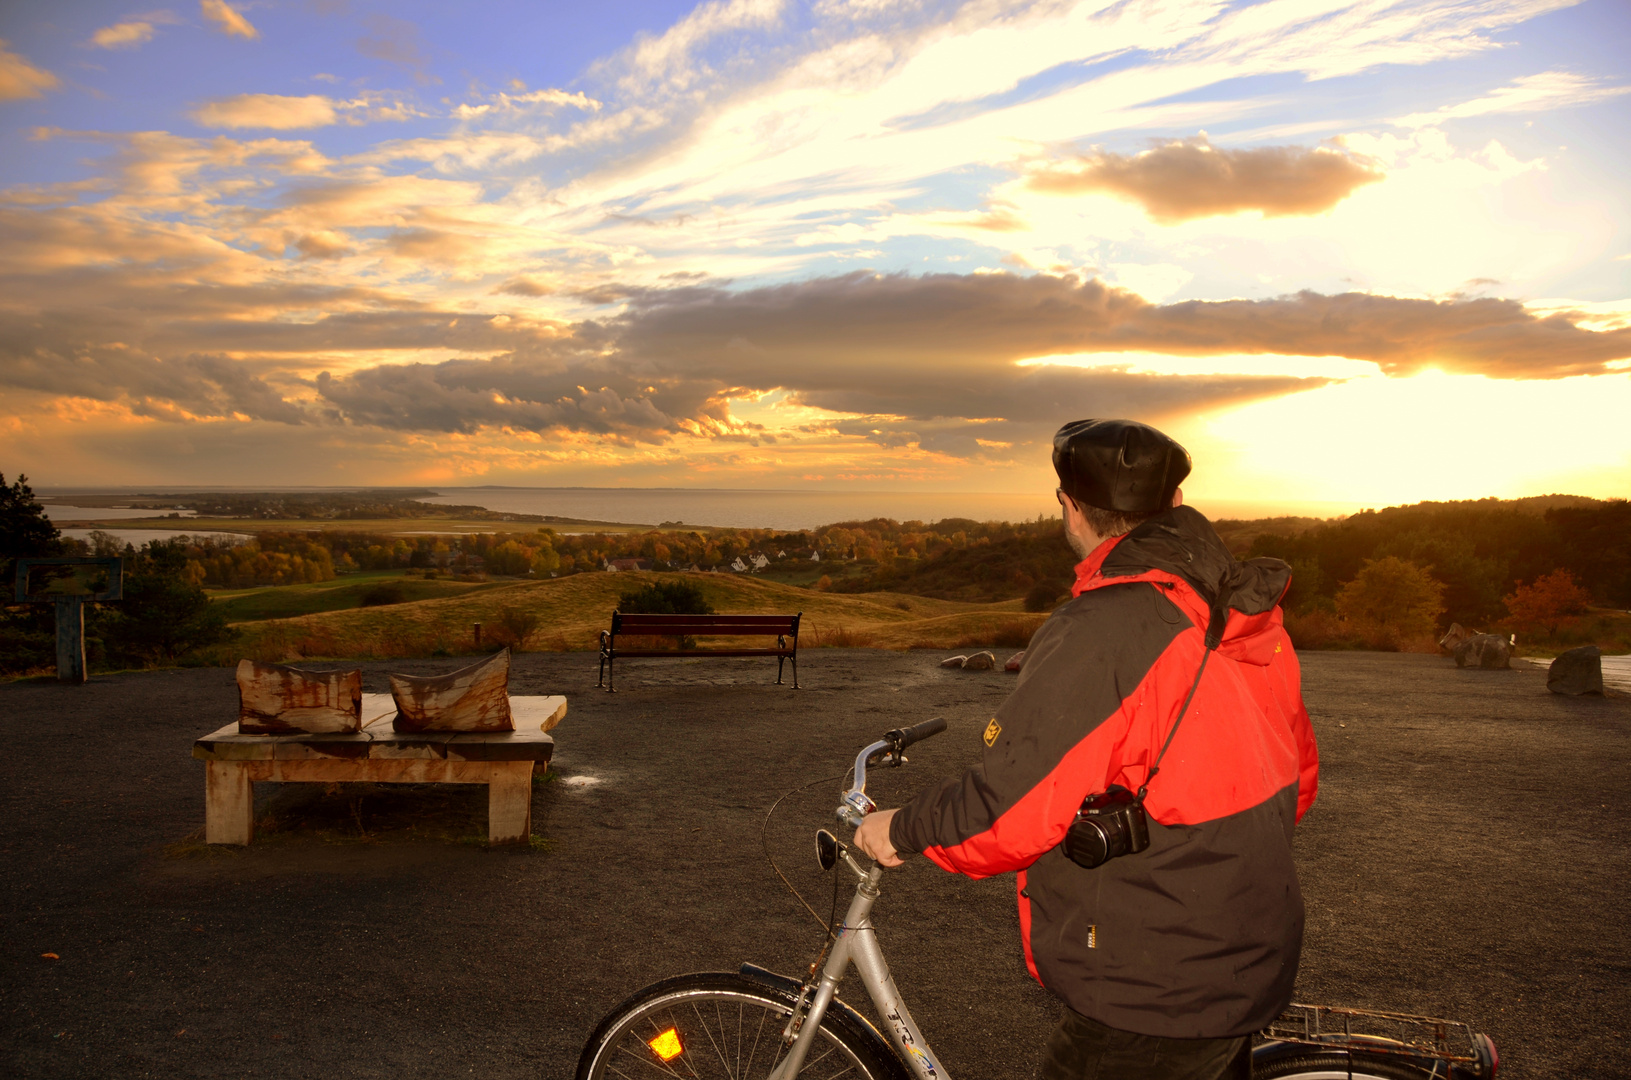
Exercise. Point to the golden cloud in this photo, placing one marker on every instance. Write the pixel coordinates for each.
(21, 79)
(276, 111)
(226, 19)
(525, 285)
(125, 35)
(1191, 178)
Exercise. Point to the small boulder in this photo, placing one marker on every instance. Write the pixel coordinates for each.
(981, 661)
(1483, 651)
(1455, 636)
(954, 661)
(1015, 662)
(1578, 671)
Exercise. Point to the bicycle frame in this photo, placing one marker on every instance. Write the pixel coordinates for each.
(857, 943)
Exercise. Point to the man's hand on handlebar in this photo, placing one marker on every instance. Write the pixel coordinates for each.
(873, 838)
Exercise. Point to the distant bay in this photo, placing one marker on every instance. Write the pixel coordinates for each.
(792, 510)
(748, 509)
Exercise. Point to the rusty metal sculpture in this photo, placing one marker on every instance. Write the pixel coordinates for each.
(71, 607)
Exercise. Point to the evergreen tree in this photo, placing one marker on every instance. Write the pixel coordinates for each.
(27, 631)
(164, 616)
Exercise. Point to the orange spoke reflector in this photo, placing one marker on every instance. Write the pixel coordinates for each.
(667, 1045)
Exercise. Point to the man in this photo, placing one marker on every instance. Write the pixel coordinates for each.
(1166, 959)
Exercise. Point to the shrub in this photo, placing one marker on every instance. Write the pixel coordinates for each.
(518, 624)
(388, 592)
(665, 598)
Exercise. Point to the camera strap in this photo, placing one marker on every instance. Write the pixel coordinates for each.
(1205, 656)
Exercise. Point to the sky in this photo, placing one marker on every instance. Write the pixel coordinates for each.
(1349, 253)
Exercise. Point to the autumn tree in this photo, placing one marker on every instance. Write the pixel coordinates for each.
(1392, 598)
(1551, 602)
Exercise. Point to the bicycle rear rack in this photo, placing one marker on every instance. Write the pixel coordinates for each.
(1377, 1033)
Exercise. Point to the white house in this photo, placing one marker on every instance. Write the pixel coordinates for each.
(738, 565)
(815, 556)
(758, 562)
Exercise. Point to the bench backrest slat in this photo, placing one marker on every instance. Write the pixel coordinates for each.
(693, 625)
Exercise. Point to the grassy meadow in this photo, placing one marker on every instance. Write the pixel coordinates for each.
(438, 617)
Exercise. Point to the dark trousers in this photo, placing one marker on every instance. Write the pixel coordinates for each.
(1081, 1048)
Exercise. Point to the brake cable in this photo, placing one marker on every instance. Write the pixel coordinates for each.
(764, 844)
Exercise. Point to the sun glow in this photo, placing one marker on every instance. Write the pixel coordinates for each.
(1379, 442)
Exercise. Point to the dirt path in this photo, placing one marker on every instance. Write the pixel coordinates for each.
(1468, 857)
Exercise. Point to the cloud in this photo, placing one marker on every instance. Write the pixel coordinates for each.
(125, 35)
(396, 41)
(670, 56)
(525, 285)
(1529, 93)
(277, 111)
(176, 389)
(322, 244)
(21, 79)
(503, 102)
(227, 19)
(283, 112)
(929, 361)
(1191, 178)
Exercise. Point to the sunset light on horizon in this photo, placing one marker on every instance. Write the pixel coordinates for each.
(1349, 252)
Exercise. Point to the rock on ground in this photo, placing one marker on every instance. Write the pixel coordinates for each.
(1484, 651)
(1578, 671)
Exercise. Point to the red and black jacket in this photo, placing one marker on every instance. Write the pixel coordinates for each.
(1198, 936)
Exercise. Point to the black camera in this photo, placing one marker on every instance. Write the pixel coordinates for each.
(1109, 824)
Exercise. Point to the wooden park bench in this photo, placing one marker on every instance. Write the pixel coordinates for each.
(784, 628)
(503, 760)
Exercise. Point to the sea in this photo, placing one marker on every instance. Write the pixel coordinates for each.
(770, 508)
(792, 510)
(750, 509)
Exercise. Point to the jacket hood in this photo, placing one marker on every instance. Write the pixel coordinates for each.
(1241, 598)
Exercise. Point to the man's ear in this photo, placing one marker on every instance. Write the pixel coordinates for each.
(1177, 497)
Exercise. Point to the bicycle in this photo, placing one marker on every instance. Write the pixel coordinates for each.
(754, 1023)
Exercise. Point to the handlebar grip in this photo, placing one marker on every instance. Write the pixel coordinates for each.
(904, 737)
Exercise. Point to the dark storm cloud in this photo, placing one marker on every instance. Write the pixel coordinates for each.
(863, 331)
(197, 385)
(1191, 178)
(925, 360)
(540, 395)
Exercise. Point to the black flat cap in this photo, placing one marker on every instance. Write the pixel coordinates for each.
(1118, 465)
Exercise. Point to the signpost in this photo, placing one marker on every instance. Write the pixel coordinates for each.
(71, 608)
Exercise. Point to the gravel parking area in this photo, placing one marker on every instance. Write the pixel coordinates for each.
(1467, 858)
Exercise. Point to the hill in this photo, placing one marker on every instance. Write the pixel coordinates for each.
(573, 610)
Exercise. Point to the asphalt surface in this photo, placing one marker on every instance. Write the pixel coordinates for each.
(1467, 858)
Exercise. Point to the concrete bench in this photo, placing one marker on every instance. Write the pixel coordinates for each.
(503, 760)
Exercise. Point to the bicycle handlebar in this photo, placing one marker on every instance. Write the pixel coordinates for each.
(904, 737)
(855, 806)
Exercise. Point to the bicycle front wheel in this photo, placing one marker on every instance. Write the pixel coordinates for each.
(723, 1025)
